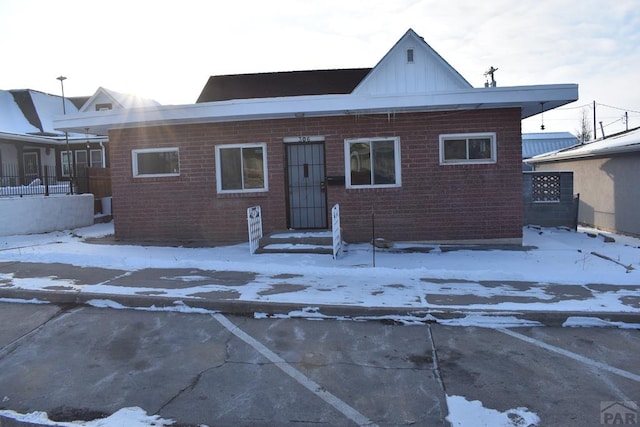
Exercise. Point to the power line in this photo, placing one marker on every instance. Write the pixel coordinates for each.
(598, 104)
(618, 108)
(573, 108)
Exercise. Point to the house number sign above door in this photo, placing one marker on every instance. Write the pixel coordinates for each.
(302, 139)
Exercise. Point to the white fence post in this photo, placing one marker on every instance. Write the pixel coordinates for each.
(335, 230)
(254, 222)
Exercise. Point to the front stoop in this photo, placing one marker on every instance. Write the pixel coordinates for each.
(297, 242)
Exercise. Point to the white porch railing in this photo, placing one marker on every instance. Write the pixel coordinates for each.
(254, 223)
(335, 230)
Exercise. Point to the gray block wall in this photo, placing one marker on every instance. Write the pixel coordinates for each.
(562, 211)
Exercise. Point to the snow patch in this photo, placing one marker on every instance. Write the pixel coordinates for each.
(489, 321)
(130, 417)
(465, 413)
(595, 322)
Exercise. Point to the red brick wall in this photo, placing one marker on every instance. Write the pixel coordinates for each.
(448, 202)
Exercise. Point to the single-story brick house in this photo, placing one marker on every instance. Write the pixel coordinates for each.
(409, 140)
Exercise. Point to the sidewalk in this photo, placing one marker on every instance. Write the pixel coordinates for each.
(564, 278)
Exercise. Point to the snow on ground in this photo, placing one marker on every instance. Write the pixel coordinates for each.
(492, 279)
(130, 417)
(557, 258)
(464, 413)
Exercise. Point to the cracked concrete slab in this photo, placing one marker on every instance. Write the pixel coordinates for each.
(84, 275)
(282, 288)
(181, 278)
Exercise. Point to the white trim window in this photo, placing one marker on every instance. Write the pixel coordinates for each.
(95, 158)
(81, 160)
(468, 148)
(65, 162)
(156, 162)
(241, 168)
(372, 162)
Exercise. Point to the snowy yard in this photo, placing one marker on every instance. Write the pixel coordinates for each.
(554, 258)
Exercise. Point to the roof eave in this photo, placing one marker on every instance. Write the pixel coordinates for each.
(568, 155)
(531, 99)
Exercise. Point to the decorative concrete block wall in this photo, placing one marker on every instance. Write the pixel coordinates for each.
(549, 200)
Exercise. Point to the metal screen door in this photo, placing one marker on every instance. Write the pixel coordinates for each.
(306, 182)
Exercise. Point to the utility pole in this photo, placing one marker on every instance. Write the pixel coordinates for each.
(626, 119)
(66, 137)
(594, 120)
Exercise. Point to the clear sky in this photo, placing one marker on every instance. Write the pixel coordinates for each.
(166, 50)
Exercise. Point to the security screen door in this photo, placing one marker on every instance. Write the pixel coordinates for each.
(306, 185)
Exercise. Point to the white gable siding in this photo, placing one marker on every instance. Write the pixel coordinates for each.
(101, 96)
(427, 73)
(116, 100)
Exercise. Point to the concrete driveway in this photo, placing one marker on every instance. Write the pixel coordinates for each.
(82, 363)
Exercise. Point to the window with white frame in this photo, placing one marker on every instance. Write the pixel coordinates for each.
(468, 148)
(65, 161)
(152, 162)
(81, 161)
(372, 162)
(241, 168)
(95, 158)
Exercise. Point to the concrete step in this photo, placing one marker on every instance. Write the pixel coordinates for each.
(307, 241)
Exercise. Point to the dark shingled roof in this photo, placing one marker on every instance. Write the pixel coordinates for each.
(273, 85)
(79, 101)
(24, 101)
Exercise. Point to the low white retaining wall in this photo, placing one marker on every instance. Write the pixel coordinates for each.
(40, 214)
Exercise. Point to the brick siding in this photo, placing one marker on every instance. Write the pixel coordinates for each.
(435, 202)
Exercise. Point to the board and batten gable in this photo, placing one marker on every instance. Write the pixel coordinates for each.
(411, 66)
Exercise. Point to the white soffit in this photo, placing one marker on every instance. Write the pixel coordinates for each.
(531, 99)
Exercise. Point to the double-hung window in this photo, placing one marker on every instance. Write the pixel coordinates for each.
(156, 162)
(96, 158)
(65, 157)
(241, 168)
(468, 148)
(81, 161)
(372, 162)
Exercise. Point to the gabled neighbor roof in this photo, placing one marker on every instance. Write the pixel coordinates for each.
(620, 143)
(37, 110)
(276, 85)
(534, 144)
(395, 85)
(116, 99)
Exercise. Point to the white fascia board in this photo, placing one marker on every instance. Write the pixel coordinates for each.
(32, 139)
(583, 151)
(49, 140)
(530, 99)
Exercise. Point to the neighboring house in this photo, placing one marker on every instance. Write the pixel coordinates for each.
(534, 144)
(29, 144)
(606, 173)
(409, 144)
(105, 100)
